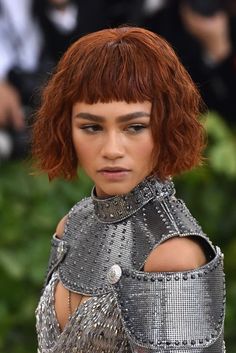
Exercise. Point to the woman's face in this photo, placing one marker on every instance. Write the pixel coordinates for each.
(113, 143)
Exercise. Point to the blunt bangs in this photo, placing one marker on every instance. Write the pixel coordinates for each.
(117, 66)
(113, 76)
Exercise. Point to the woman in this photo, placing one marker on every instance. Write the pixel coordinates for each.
(130, 269)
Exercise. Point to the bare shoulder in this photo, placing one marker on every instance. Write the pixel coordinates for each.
(176, 254)
(60, 227)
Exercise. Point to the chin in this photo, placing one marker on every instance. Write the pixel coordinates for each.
(117, 189)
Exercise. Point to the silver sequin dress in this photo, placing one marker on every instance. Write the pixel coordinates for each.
(102, 254)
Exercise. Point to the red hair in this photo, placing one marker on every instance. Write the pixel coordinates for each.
(123, 64)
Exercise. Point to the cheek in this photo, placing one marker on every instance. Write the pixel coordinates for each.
(79, 146)
(145, 155)
(144, 151)
(82, 156)
(86, 153)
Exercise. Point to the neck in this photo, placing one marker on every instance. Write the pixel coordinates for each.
(117, 208)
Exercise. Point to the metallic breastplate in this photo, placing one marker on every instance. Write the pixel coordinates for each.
(120, 230)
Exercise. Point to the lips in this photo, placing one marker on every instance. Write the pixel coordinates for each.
(114, 173)
(114, 169)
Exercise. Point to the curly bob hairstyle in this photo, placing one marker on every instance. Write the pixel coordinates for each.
(128, 64)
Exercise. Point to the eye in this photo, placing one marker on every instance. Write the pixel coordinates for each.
(136, 128)
(91, 128)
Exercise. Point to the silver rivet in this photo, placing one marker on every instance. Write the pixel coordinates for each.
(114, 274)
(60, 248)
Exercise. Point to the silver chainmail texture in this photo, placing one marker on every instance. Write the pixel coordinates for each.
(102, 253)
(169, 311)
(94, 327)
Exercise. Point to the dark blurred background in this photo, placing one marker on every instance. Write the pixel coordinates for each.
(33, 36)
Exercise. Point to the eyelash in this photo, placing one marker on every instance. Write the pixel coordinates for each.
(136, 128)
(94, 128)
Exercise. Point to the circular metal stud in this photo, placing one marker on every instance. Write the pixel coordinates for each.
(114, 274)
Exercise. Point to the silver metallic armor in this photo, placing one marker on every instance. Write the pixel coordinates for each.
(102, 254)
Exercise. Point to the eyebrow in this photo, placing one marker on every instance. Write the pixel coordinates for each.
(120, 118)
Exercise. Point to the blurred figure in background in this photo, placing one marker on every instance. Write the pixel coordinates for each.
(20, 47)
(33, 36)
(203, 32)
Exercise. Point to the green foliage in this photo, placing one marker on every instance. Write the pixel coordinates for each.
(31, 208)
(222, 151)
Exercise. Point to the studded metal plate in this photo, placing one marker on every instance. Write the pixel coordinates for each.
(150, 214)
(177, 310)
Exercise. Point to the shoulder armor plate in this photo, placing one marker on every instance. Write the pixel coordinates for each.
(173, 311)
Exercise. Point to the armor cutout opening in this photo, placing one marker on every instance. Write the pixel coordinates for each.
(66, 303)
(189, 256)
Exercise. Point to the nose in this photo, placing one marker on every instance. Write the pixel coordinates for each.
(112, 147)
